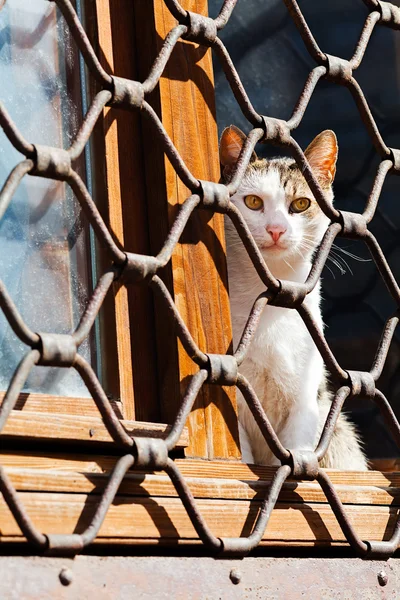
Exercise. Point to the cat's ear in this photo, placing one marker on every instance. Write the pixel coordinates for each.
(322, 155)
(232, 140)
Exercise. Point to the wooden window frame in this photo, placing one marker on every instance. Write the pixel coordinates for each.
(60, 489)
(66, 419)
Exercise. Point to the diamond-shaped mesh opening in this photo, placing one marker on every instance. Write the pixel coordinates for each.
(51, 349)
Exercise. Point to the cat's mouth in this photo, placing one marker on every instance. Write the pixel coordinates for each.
(275, 251)
(276, 248)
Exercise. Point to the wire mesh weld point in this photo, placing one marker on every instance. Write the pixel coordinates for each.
(202, 30)
(127, 94)
(151, 454)
(138, 268)
(235, 547)
(339, 69)
(396, 160)
(390, 14)
(304, 464)
(53, 163)
(354, 225)
(57, 350)
(362, 384)
(222, 369)
(59, 543)
(276, 130)
(290, 295)
(215, 196)
(380, 550)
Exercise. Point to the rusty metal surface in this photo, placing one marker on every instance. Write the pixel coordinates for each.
(197, 578)
(50, 349)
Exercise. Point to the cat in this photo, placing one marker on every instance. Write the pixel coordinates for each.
(283, 364)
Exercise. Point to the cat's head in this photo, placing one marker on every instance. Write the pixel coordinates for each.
(275, 200)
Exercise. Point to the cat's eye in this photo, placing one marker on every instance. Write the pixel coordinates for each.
(300, 205)
(253, 202)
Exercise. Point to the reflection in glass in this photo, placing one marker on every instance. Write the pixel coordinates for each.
(43, 243)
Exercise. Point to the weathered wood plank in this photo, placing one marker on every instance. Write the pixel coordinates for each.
(56, 488)
(137, 519)
(84, 407)
(191, 469)
(139, 484)
(49, 426)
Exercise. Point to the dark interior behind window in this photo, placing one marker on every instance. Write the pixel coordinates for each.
(273, 64)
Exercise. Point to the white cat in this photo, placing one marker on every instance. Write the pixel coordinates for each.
(283, 364)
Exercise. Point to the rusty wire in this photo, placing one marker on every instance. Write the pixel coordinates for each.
(48, 349)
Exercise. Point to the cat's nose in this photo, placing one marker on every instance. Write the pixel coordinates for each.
(275, 231)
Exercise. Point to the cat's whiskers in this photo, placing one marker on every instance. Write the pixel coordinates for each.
(299, 252)
(337, 264)
(289, 265)
(350, 254)
(334, 257)
(342, 261)
(305, 245)
(330, 270)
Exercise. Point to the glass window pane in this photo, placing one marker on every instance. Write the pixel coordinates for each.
(43, 242)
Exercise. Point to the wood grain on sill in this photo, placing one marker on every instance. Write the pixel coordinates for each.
(50, 426)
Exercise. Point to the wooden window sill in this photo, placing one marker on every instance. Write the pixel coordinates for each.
(60, 493)
(52, 426)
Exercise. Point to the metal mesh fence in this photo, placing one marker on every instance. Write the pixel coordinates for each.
(47, 349)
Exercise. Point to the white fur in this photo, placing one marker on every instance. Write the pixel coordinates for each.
(283, 365)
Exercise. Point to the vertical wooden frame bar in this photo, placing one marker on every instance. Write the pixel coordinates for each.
(122, 384)
(143, 196)
(197, 276)
(125, 206)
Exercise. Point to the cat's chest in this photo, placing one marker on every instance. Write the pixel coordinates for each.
(279, 361)
(280, 341)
